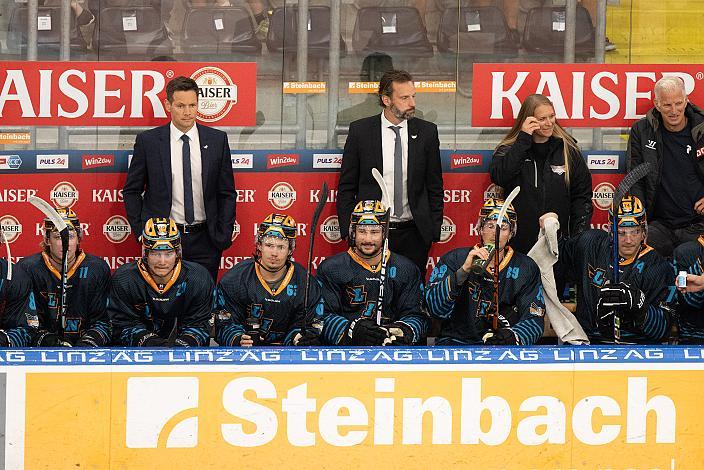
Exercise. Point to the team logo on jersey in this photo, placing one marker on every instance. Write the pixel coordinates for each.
(116, 229)
(64, 195)
(447, 230)
(356, 294)
(603, 195)
(217, 93)
(11, 228)
(330, 230)
(282, 196)
(235, 231)
(493, 191)
(536, 310)
(597, 276)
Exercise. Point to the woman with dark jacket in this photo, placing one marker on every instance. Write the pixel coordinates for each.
(543, 159)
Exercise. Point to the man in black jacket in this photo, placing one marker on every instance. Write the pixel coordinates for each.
(671, 138)
(406, 151)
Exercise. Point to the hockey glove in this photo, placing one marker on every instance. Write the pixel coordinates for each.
(502, 336)
(400, 334)
(4, 339)
(86, 342)
(630, 301)
(52, 340)
(309, 337)
(365, 332)
(155, 342)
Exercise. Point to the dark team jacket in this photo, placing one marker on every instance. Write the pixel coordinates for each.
(139, 309)
(18, 310)
(350, 289)
(690, 308)
(548, 191)
(86, 297)
(645, 145)
(587, 261)
(243, 293)
(465, 309)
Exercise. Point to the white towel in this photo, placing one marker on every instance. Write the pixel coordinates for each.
(545, 253)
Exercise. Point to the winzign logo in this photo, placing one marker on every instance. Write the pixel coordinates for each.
(282, 196)
(97, 161)
(463, 160)
(216, 93)
(603, 196)
(165, 412)
(11, 228)
(64, 194)
(278, 160)
(116, 229)
(330, 230)
(584, 95)
(447, 230)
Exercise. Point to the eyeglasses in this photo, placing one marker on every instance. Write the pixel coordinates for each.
(491, 226)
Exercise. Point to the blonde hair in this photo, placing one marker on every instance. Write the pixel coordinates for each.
(530, 104)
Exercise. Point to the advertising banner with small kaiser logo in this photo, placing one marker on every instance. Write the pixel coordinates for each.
(623, 407)
(122, 93)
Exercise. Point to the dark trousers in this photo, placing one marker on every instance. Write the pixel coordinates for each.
(407, 241)
(198, 247)
(665, 239)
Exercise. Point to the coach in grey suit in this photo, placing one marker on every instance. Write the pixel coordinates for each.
(183, 170)
(406, 151)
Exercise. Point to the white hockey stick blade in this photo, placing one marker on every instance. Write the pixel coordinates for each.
(385, 199)
(9, 256)
(507, 201)
(48, 211)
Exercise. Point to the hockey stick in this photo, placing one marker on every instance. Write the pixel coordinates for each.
(386, 200)
(313, 228)
(9, 255)
(61, 226)
(497, 235)
(622, 189)
(172, 335)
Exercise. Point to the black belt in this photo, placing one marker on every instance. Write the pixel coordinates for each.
(402, 225)
(184, 229)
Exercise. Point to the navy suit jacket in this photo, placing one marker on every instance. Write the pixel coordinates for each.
(150, 173)
(424, 186)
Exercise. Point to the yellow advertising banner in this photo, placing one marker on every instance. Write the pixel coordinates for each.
(305, 87)
(367, 416)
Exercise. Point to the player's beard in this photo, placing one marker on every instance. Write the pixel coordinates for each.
(408, 114)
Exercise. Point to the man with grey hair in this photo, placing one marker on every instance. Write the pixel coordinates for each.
(671, 138)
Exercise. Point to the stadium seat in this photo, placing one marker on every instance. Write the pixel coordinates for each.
(283, 31)
(218, 33)
(482, 31)
(392, 30)
(135, 33)
(544, 33)
(48, 34)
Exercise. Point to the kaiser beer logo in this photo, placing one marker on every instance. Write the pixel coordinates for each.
(97, 161)
(64, 195)
(116, 229)
(603, 196)
(463, 160)
(10, 162)
(11, 228)
(282, 196)
(330, 230)
(235, 231)
(277, 160)
(493, 191)
(52, 162)
(217, 93)
(447, 230)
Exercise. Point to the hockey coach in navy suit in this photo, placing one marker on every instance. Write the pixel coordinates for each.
(183, 170)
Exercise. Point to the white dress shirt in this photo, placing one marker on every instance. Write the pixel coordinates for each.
(388, 145)
(178, 212)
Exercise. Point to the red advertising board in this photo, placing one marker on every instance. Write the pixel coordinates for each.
(121, 93)
(584, 95)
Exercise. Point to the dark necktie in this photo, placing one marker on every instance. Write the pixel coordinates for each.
(187, 181)
(398, 172)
